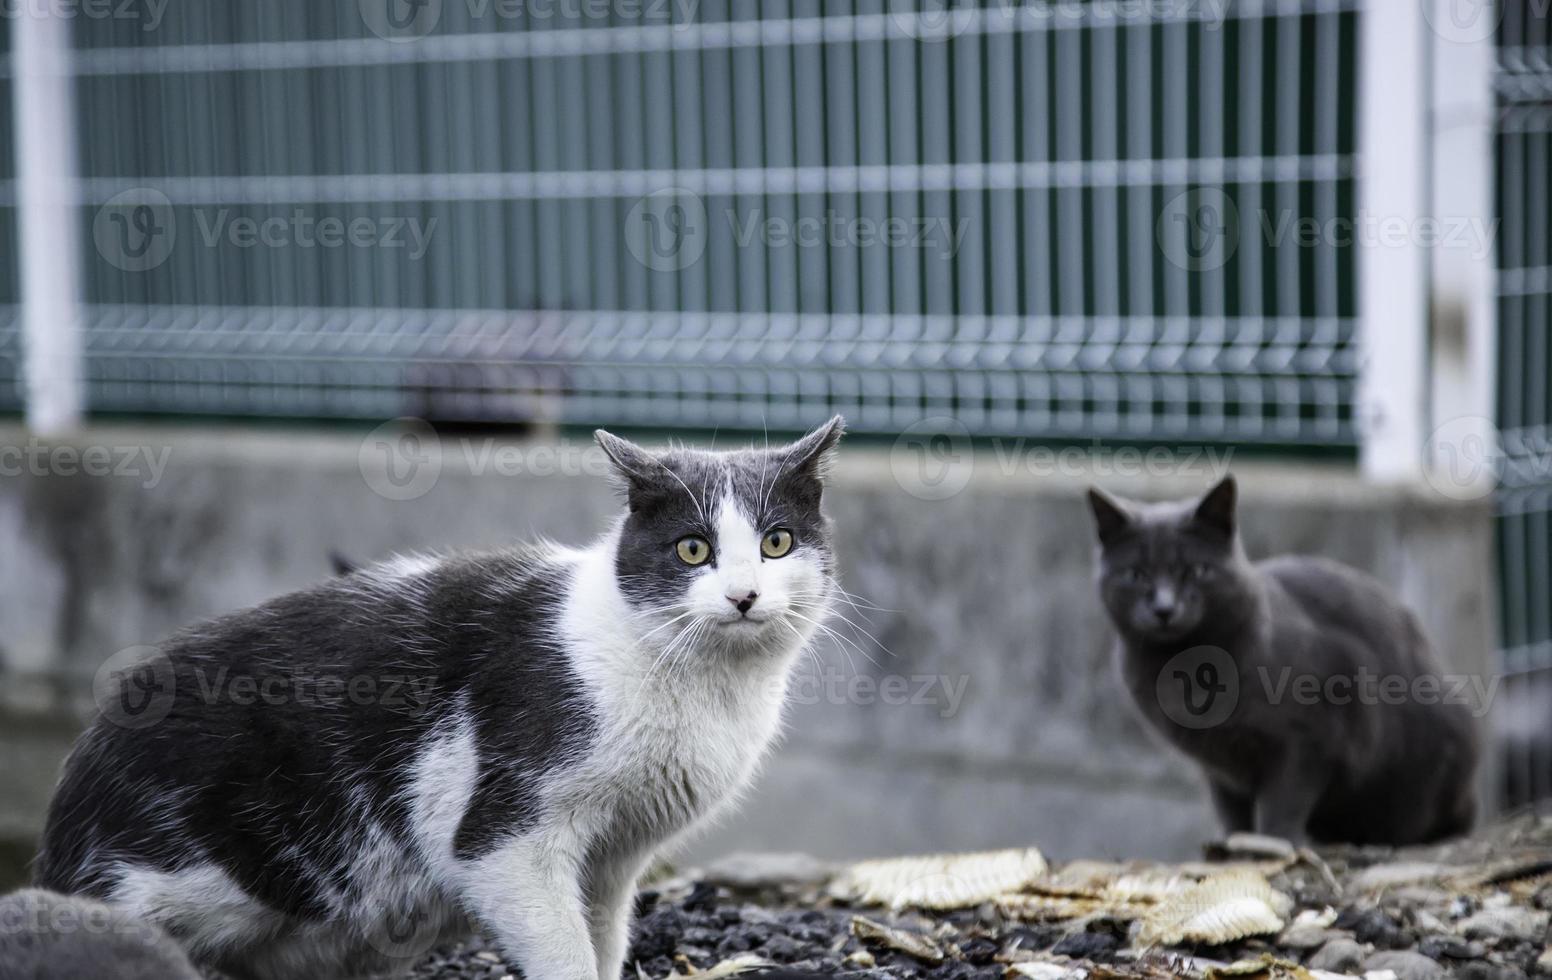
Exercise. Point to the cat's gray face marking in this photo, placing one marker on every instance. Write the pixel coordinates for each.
(1166, 569)
(734, 542)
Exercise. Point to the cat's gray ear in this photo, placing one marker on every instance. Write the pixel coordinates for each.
(1110, 516)
(643, 473)
(1216, 511)
(811, 455)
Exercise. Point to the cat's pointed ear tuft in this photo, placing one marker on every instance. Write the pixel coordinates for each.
(811, 455)
(1216, 511)
(1111, 517)
(630, 459)
(638, 467)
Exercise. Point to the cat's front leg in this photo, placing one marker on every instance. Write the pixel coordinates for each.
(528, 894)
(1236, 810)
(611, 905)
(1288, 795)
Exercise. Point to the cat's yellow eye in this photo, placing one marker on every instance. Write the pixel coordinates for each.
(777, 542)
(693, 549)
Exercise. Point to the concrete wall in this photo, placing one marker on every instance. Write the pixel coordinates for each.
(989, 588)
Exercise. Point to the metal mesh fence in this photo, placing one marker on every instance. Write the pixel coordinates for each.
(1524, 83)
(1071, 219)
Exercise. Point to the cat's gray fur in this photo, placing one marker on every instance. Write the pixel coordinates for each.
(1177, 585)
(46, 936)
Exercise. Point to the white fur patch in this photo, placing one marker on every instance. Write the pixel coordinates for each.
(202, 903)
(443, 782)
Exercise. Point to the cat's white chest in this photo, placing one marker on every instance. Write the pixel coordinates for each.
(692, 752)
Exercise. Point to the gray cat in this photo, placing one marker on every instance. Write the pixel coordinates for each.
(1305, 691)
(45, 936)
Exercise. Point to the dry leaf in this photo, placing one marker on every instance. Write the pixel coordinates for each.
(1215, 910)
(899, 940)
(1045, 971)
(1265, 966)
(948, 881)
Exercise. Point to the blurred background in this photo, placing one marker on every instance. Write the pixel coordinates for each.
(286, 277)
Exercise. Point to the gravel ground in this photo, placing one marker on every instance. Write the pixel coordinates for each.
(1474, 909)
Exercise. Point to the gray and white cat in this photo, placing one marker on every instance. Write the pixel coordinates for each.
(346, 775)
(1221, 655)
(45, 936)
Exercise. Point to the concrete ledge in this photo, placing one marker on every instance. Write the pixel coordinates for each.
(989, 590)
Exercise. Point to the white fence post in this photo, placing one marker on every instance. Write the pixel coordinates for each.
(1464, 304)
(48, 251)
(1392, 275)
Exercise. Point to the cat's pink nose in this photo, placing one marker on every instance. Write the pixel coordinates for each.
(744, 602)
